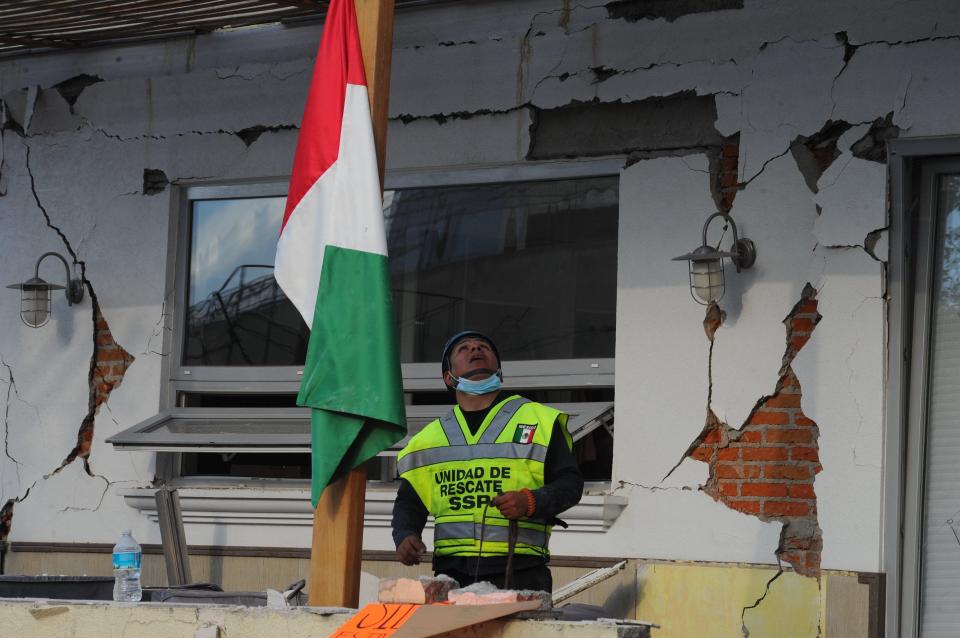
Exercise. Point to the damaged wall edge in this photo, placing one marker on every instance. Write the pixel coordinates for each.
(109, 362)
(766, 468)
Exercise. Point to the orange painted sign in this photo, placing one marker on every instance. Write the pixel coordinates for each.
(376, 620)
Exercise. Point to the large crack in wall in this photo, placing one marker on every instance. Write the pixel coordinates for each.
(766, 467)
(108, 365)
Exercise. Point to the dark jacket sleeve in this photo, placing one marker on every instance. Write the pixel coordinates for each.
(409, 513)
(563, 482)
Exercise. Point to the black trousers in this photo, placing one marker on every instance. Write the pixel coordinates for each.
(536, 578)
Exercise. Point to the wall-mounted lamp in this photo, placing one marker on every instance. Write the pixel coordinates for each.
(707, 280)
(35, 293)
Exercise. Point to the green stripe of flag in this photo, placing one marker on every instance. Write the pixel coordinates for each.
(352, 377)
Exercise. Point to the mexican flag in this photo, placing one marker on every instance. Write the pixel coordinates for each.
(332, 264)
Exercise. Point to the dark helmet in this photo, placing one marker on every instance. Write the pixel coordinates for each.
(452, 341)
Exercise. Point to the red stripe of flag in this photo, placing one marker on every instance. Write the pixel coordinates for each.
(339, 62)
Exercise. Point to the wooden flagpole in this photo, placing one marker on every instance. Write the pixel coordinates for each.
(338, 520)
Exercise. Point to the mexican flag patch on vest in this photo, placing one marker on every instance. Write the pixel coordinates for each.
(524, 433)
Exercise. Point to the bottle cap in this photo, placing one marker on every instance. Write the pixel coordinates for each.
(126, 532)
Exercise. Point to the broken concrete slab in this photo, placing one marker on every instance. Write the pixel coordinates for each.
(165, 106)
(424, 590)
(15, 107)
(852, 200)
(772, 112)
(427, 82)
(471, 139)
(484, 593)
(52, 114)
(705, 77)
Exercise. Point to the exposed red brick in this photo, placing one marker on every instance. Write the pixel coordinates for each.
(747, 507)
(763, 489)
(713, 436)
(765, 454)
(736, 471)
(767, 467)
(765, 417)
(804, 454)
(798, 341)
(104, 338)
(729, 488)
(108, 354)
(789, 436)
(802, 490)
(702, 453)
(728, 454)
(794, 558)
(807, 307)
(108, 364)
(792, 472)
(786, 508)
(783, 400)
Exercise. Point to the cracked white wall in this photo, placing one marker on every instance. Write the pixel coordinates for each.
(776, 72)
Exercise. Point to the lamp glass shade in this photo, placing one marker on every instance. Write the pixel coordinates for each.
(706, 280)
(35, 305)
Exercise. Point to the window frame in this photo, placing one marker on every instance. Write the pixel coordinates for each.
(914, 165)
(178, 379)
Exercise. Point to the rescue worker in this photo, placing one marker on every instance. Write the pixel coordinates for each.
(494, 458)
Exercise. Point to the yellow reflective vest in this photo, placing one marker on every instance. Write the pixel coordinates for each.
(457, 474)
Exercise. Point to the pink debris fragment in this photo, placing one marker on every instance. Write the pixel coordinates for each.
(484, 593)
(421, 591)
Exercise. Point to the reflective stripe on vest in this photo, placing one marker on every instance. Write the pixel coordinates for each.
(451, 427)
(493, 533)
(493, 431)
(465, 453)
(453, 430)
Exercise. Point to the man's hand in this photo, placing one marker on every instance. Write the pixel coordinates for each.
(512, 505)
(410, 550)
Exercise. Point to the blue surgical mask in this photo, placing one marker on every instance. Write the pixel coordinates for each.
(490, 384)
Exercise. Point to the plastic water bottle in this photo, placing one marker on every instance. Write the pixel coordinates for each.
(126, 569)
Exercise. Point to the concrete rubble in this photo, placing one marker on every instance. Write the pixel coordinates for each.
(424, 590)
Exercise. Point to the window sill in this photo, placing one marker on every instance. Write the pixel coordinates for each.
(290, 506)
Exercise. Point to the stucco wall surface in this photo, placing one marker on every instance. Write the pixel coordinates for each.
(475, 84)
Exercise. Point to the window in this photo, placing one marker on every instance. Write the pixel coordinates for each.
(528, 256)
(236, 314)
(922, 436)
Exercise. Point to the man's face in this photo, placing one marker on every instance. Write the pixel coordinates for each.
(472, 357)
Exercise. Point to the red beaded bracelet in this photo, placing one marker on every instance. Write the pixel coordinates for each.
(531, 501)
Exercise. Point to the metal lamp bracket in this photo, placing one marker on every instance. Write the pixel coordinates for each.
(74, 287)
(743, 253)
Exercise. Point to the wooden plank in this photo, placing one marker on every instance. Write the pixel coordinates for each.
(375, 20)
(338, 520)
(337, 541)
